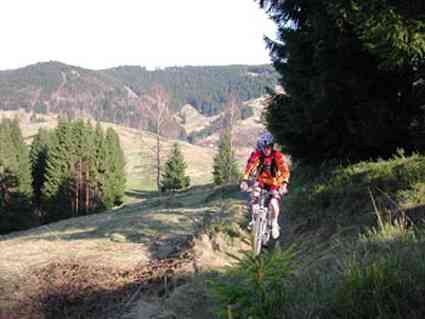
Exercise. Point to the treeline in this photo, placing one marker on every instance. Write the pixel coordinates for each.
(204, 87)
(70, 171)
(354, 73)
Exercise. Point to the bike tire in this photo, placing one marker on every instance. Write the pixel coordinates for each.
(259, 229)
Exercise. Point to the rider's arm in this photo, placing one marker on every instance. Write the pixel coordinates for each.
(252, 164)
(282, 169)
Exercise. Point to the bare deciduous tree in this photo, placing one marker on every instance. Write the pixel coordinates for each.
(232, 113)
(156, 104)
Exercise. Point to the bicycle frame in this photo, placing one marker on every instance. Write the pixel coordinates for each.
(262, 221)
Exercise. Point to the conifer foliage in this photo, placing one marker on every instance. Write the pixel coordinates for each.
(69, 171)
(174, 177)
(77, 170)
(225, 169)
(354, 74)
(115, 178)
(15, 178)
(38, 157)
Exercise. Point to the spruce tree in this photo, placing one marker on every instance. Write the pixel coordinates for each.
(7, 166)
(82, 167)
(174, 177)
(98, 175)
(23, 169)
(225, 169)
(115, 177)
(38, 157)
(15, 178)
(58, 178)
(353, 73)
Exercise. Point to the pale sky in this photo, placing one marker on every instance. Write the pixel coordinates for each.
(98, 34)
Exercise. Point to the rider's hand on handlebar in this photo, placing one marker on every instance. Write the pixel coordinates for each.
(283, 189)
(244, 186)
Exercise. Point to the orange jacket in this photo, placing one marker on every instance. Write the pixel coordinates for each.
(270, 175)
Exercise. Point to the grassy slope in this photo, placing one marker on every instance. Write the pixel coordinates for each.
(113, 245)
(344, 260)
(345, 264)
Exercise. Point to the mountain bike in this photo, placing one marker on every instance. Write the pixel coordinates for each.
(262, 227)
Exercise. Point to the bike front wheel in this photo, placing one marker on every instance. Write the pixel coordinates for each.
(259, 233)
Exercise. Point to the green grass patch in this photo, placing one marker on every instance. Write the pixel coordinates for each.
(341, 194)
(378, 271)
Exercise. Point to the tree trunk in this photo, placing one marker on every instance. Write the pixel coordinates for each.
(158, 162)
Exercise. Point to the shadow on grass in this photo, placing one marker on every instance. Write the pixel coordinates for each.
(164, 225)
(141, 194)
(74, 291)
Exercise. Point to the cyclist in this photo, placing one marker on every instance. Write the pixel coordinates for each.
(271, 173)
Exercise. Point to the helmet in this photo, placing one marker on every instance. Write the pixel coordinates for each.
(265, 139)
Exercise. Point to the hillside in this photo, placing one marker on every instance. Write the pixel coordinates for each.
(138, 146)
(353, 247)
(245, 129)
(346, 252)
(192, 120)
(204, 87)
(113, 95)
(113, 265)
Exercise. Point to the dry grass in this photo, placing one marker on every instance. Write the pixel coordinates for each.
(119, 238)
(117, 241)
(95, 259)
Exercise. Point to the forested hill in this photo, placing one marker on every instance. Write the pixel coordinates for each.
(114, 94)
(204, 87)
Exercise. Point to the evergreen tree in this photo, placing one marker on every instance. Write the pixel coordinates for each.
(15, 178)
(115, 177)
(38, 156)
(7, 166)
(84, 170)
(82, 166)
(174, 177)
(225, 169)
(58, 178)
(352, 71)
(23, 168)
(98, 176)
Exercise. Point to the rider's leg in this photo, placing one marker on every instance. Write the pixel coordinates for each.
(274, 206)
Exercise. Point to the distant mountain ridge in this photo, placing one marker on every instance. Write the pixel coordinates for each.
(112, 94)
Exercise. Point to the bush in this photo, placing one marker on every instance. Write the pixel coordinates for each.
(257, 288)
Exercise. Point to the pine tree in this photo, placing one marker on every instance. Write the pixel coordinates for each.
(23, 169)
(98, 175)
(15, 178)
(38, 157)
(225, 169)
(58, 189)
(174, 177)
(352, 71)
(115, 177)
(84, 170)
(82, 166)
